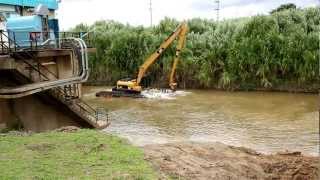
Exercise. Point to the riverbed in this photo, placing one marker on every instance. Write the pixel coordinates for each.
(268, 122)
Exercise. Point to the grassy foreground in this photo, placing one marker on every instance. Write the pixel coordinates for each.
(85, 154)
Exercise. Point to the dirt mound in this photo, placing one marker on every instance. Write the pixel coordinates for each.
(17, 133)
(42, 147)
(68, 129)
(219, 161)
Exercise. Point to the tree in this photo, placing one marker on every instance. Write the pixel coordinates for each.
(284, 7)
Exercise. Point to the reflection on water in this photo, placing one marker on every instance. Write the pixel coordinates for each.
(267, 122)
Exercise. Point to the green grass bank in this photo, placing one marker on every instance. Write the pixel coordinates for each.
(84, 154)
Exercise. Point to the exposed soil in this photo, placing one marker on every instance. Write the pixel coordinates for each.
(42, 147)
(219, 161)
(17, 133)
(68, 129)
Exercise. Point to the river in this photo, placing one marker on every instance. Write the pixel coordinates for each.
(265, 121)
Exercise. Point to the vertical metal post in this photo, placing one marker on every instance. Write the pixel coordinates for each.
(9, 43)
(150, 8)
(70, 90)
(1, 41)
(65, 92)
(14, 41)
(77, 90)
(30, 39)
(36, 38)
(217, 9)
(38, 65)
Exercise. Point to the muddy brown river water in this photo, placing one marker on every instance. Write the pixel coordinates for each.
(265, 121)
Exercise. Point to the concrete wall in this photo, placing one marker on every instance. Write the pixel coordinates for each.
(61, 67)
(33, 114)
(64, 67)
(7, 118)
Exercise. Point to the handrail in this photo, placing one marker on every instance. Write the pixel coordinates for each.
(84, 108)
(39, 65)
(30, 56)
(23, 90)
(38, 39)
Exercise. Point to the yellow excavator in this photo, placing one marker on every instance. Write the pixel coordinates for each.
(131, 87)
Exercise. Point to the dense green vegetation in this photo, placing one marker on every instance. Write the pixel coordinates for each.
(85, 154)
(284, 7)
(266, 51)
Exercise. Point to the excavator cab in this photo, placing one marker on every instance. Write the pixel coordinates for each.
(128, 86)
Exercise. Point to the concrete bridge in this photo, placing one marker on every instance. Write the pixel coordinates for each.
(40, 85)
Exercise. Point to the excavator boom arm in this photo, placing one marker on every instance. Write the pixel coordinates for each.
(145, 66)
(181, 43)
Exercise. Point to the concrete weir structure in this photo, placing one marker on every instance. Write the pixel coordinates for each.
(41, 72)
(43, 92)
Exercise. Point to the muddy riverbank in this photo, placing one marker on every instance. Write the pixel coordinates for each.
(218, 161)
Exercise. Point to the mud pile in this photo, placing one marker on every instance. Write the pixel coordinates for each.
(219, 161)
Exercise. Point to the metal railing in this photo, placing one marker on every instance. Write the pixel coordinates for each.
(78, 45)
(22, 55)
(12, 41)
(82, 108)
(87, 37)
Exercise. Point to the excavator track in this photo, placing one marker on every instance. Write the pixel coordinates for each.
(119, 93)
